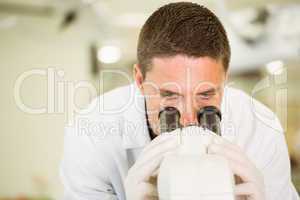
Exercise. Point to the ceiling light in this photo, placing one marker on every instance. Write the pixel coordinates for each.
(109, 54)
(275, 67)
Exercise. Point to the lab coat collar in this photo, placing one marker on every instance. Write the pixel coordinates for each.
(135, 129)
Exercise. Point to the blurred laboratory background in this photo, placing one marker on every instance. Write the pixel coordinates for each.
(53, 52)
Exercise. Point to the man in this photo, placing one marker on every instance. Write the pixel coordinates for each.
(114, 151)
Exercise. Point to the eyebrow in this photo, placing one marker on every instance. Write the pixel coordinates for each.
(169, 91)
(210, 90)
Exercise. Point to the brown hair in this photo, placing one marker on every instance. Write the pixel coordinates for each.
(182, 28)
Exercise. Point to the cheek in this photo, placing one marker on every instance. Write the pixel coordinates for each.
(153, 108)
(154, 123)
(153, 105)
(177, 102)
(213, 101)
(216, 101)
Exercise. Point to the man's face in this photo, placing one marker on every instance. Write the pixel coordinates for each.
(183, 82)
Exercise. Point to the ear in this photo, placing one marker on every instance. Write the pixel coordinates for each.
(226, 76)
(138, 76)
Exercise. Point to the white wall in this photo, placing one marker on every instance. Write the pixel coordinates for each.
(31, 145)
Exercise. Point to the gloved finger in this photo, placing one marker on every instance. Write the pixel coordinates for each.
(232, 150)
(251, 190)
(157, 141)
(244, 189)
(151, 198)
(239, 164)
(242, 171)
(229, 153)
(246, 172)
(149, 190)
(155, 173)
(155, 151)
(148, 167)
(144, 190)
(228, 144)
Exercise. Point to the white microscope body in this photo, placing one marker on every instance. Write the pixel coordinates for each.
(193, 174)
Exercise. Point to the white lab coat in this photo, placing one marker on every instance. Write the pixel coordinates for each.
(106, 138)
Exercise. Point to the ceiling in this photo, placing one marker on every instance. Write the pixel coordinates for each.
(118, 22)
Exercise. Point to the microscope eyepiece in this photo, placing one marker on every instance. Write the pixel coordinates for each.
(169, 119)
(210, 117)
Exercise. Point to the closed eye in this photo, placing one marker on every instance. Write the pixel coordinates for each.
(206, 94)
(169, 94)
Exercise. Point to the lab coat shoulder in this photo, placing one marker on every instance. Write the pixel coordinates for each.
(259, 132)
(94, 160)
(255, 127)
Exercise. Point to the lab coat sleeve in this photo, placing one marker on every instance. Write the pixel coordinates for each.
(277, 172)
(82, 175)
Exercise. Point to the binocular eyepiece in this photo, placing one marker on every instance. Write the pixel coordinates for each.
(208, 117)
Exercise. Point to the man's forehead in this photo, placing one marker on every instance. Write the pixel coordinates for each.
(184, 87)
(183, 67)
(183, 61)
(187, 87)
(185, 73)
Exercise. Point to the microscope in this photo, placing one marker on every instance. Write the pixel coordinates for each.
(191, 173)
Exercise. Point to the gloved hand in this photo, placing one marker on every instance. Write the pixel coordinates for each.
(251, 185)
(140, 182)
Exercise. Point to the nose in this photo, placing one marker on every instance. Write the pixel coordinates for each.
(189, 119)
(188, 115)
